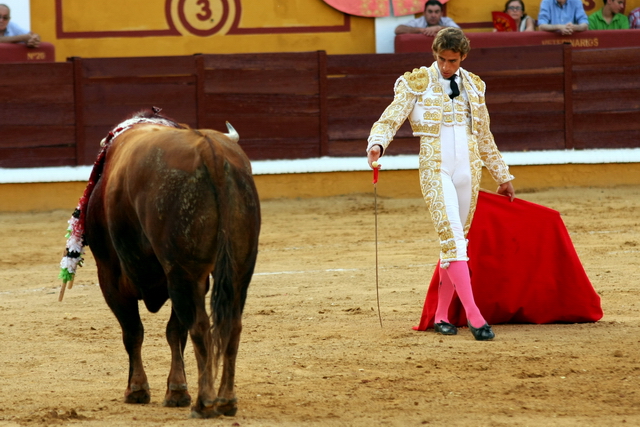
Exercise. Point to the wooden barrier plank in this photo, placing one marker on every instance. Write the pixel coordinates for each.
(94, 68)
(30, 93)
(37, 157)
(603, 59)
(614, 100)
(599, 81)
(607, 139)
(285, 148)
(29, 136)
(367, 65)
(568, 97)
(108, 115)
(530, 141)
(36, 73)
(256, 126)
(322, 104)
(262, 61)
(606, 122)
(261, 81)
(110, 93)
(36, 114)
(272, 104)
(358, 86)
(523, 121)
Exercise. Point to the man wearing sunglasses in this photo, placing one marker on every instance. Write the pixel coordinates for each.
(13, 33)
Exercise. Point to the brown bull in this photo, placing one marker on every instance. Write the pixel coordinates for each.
(171, 207)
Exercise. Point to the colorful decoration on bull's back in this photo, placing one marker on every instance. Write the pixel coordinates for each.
(72, 258)
(74, 251)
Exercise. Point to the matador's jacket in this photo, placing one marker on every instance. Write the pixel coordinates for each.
(420, 97)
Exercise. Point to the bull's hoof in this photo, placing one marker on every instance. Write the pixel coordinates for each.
(140, 396)
(137, 394)
(204, 412)
(227, 407)
(175, 398)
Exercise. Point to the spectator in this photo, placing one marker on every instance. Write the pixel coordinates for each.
(563, 16)
(634, 19)
(610, 17)
(429, 23)
(515, 9)
(13, 33)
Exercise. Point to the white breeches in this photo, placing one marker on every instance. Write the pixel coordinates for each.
(456, 183)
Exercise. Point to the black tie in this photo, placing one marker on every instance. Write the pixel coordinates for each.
(455, 91)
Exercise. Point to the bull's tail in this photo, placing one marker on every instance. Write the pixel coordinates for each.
(223, 296)
(224, 301)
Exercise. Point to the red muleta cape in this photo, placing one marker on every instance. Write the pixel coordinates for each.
(524, 268)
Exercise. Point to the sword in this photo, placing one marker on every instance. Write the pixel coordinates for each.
(376, 168)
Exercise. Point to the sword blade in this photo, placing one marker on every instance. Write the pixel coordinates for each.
(375, 198)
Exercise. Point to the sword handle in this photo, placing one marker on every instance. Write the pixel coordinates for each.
(376, 169)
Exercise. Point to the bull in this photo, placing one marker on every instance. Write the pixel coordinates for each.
(167, 208)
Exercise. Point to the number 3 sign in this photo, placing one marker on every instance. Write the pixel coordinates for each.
(203, 17)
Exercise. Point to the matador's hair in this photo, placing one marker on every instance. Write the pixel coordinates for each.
(453, 39)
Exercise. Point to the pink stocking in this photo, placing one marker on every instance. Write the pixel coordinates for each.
(458, 273)
(445, 295)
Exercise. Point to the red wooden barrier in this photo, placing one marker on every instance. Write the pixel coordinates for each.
(19, 52)
(37, 121)
(606, 98)
(109, 90)
(406, 43)
(301, 105)
(272, 100)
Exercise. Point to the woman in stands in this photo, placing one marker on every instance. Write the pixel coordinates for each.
(515, 9)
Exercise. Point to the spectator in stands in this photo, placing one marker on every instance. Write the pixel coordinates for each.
(429, 23)
(563, 16)
(515, 9)
(634, 19)
(610, 17)
(13, 33)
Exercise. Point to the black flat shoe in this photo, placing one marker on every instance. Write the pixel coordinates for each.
(483, 333)
(445, 328)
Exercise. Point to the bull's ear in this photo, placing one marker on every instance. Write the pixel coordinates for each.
(233, 135)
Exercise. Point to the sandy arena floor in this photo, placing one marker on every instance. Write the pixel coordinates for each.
(312, 351)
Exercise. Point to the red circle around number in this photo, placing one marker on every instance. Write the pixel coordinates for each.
(197, 31)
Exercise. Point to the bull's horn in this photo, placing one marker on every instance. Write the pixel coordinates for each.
(233, 134)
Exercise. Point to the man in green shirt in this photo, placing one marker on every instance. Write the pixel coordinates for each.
(609, 17)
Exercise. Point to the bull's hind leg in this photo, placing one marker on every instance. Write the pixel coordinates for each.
(203, 346)
(177, 394)
(126, 311)
(226, 403)
(188, 303)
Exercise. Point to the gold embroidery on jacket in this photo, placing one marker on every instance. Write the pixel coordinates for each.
(421, 90)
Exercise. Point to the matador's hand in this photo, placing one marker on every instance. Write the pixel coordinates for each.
(373, 155)
(506, 189)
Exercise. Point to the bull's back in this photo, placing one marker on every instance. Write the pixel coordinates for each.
(166, 187)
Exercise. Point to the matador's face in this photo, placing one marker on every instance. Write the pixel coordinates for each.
(448, 62)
